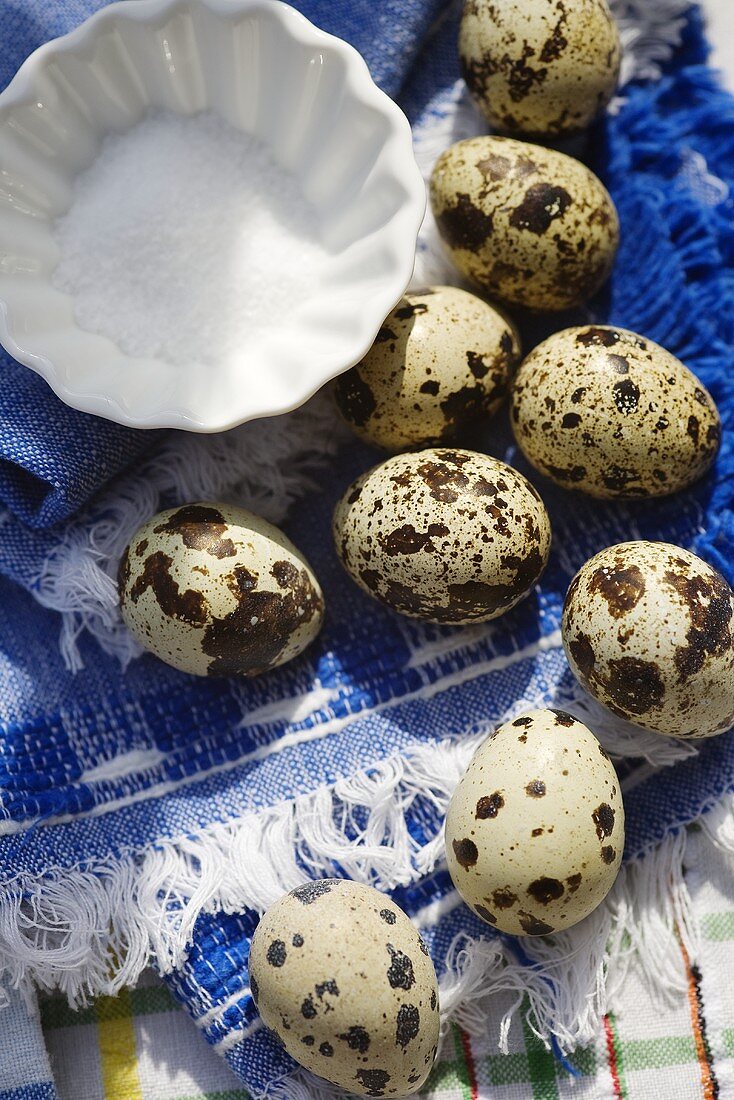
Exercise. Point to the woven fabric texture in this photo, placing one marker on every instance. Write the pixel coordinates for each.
(147, 816)
(140, 1045)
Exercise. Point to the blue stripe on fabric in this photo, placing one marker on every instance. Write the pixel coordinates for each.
(43, 1091)
(684, 251)
(364, 659)
(474, 704)
(673, 281)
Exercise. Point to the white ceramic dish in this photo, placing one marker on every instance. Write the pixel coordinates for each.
(268, 71)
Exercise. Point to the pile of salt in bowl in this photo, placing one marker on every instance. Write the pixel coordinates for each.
(535, 828)
(189, 281)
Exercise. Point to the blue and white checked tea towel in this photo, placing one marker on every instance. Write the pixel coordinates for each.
(147, 816)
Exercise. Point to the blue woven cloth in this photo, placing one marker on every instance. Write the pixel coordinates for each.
(385, 687)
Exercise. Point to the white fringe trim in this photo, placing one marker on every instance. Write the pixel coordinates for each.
(575, 977)
(650, 31)
(264, 465)
(92, 929)
(65, 929)
(718, 827)
(578, 974)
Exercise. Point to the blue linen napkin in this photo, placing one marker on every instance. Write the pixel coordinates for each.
(53, 458)
(134, 792)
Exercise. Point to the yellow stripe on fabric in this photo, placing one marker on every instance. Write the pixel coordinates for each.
(117, 1048)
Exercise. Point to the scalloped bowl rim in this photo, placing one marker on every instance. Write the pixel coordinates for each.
(404, 223)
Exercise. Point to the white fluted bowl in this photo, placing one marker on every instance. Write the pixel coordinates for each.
(269, 72)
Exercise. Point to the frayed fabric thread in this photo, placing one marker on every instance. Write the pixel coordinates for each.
(265, 466)
(564, 985)
(62, 930)
(58, 930)
(649, 34)
(570, 980)
(92, 929)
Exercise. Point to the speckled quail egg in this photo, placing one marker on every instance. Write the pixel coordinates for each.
(217, 591)
(341, 975)
(611, 413)
(647, 629)
(442, 359)
(449, 536)
(539, 66)
(535, 828)
(529, 225)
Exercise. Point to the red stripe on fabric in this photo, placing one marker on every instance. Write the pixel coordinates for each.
(470, 1067)
(612, 1057)
(709, 1082)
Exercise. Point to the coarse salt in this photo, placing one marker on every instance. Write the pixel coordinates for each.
(185, 239)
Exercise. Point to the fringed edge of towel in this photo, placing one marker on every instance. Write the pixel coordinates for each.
(265, 466)
(93, 928)
(564, 985)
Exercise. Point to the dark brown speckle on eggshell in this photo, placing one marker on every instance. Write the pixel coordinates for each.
(613, 424)
(446, 363)
(648, 629)
(553, 853)
(530, 226)
(445, 535)
(357, 1004)
(539, 66)
(216, 590)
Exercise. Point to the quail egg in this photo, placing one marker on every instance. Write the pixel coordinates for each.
(539, 66)
(528, 225)
(449, 536)
(535, 828)
(442, 359)
(341, 975)
(217, 591)
(647, 629)
(613, 414)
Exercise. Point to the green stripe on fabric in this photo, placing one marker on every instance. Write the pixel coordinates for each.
(444, 1076)
(147, 1000)
(514, 1069)
(727, 1041)
(113, 1008)
(673, 1050)
(584, 1061)
(55, 1012)
(718, 926)
(506, 1069)
(151, 999)
(541, 1065)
